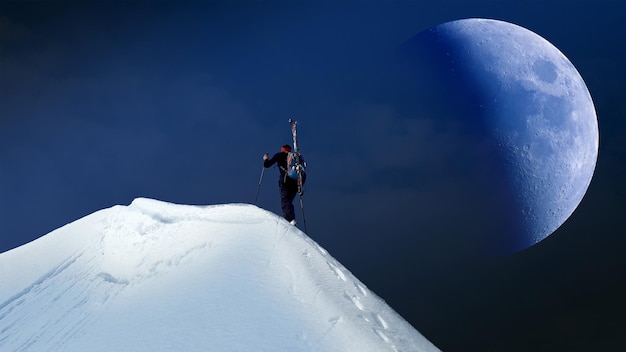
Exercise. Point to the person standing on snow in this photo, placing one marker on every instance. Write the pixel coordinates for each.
(288, 186)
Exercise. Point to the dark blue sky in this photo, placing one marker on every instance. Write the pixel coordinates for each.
(104, 102)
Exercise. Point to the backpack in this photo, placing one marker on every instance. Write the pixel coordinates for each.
(292, 167)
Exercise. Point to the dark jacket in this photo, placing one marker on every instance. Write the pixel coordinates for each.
(280, 158)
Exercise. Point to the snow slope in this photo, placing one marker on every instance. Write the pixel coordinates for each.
(156, 276)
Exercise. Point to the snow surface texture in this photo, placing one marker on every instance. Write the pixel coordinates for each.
(156, 276)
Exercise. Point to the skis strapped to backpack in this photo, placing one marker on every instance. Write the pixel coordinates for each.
(295, 166)
(299, 167)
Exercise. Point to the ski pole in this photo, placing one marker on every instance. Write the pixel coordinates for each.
(259, 188)
(303, 218)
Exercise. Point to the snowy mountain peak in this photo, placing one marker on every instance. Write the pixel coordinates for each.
(156, 276)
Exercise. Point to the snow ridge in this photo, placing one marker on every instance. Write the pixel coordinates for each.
(156, 276)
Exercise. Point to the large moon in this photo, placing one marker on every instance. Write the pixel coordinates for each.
(522, 120)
